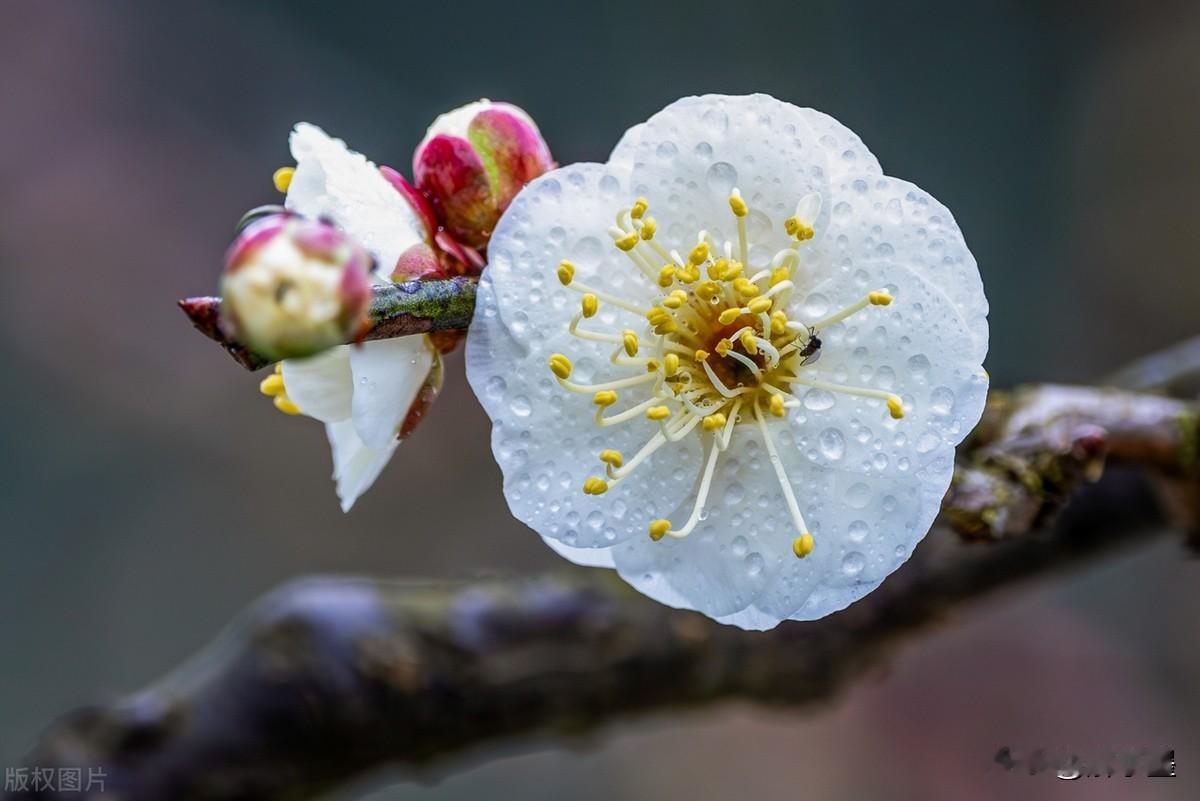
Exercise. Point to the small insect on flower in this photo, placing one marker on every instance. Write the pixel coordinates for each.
(733, 362)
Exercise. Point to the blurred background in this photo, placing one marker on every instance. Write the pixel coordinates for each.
(147, 491)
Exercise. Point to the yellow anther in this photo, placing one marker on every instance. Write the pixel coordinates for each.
(779, 322)
(639, 208)
(272, 385)
(759, 305)
(708, 290)
(895, 407)
(649, 228)
(566, 272)
(279, 368)
(714, 422)
(630, 341)
(723, 346)
(658, 413)
(657, 316)
(738, 206)
(733, 270)
(748, 343)
(284, 404)
(612, 457)
(729, 315)
(595, 486)
(802, 546)
(688, 275)
(668, 327)
(717, 269)
(651, 366)
(590, 304)
(560, 365)
(282, 178)
(780, 274)
(666, 275)
(673, 301)
(699, 254)
(745, 287)
(797, 228)
(671, 364)
(777, 407)
(880, 298)
(628, 242)
(605, 397)
(659, 529)
(701, 355)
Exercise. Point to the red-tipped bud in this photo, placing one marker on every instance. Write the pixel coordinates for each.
(473, 162)
(293, 287)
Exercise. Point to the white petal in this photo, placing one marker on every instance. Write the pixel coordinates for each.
(588, 557)
(844, 150)
(321, 385)
(688, 157)
(355, 465)
(919, 348)
(888, 220)
(387, 375)
(546, 441)
(337, 183)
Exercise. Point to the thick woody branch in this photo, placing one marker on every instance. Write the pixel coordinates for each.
(327, 678)
(397, 310)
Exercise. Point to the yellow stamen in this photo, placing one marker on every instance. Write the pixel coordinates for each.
(701, 355)
(284, 404)
(560, 365)
(630, 341)
(566, 272)
(272, 385)
(671, 364)
(611, 457)
(699, 254)
(649, 228)
(590, 304)
(651, 366)
(880, 298)
(595, 486)
(729, 315)
(745, 287)
(709, 290)
(717, 269)
(759, 305)
(895, 408)
(737, 205)
(713, 422)
(802, 546)
(639, 208)
(748, 343)
(605, 397)
(779, 322)
(724, 346)
(658, 413)
(659, 529)
(797, 228)
(282, 178)
(628, 242)
(666, 275)
(776, 406)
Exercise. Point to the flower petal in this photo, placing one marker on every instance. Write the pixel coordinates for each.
(688, 157)
(844, 150)
(335, 182)
(878, 218)
(321, 385)
(387, 375)
(355, 465)
(546, 443)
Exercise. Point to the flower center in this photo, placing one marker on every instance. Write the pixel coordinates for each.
(717, 348)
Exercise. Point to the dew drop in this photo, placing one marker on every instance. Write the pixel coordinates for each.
(734, 494)
(595, 520)
(666, 150)
(832, 444)
(918, 365)
(858, 530)
(817, 400)
(858, 496)
(941, 400)
(520, 406)
(495, 386)
(721, 178)
(739, 546)
(754, 564)
(853, 563)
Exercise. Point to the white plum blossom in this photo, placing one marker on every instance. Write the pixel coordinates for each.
(733, 362)
(363, 393)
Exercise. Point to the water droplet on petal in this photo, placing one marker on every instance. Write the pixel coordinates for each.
(853, 563)
(832, 444)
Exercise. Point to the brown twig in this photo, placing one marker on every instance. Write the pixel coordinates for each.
(326, 678)
(414, 307)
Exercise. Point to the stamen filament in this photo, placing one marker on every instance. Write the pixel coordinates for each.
(781, 473)
(701, 495)
(877, 298)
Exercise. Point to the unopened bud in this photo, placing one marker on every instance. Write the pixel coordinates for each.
(293, 287)
(473, 161)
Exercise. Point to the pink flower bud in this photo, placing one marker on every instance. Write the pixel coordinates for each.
(293, 286)
(473, 162)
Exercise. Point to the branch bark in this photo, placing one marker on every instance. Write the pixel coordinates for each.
(397, 310)
(329, 677)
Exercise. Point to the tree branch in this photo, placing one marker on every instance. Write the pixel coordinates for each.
(397, 310)
(329, 677)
